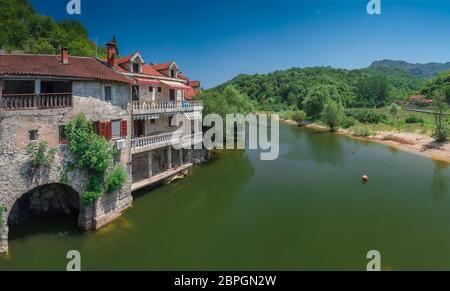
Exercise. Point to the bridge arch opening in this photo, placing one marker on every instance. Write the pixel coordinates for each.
(48, 208)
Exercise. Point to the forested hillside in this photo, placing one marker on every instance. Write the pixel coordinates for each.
(421, 71)
(22, 29)
(354, 88)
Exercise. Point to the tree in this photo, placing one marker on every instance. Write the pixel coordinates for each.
(333, 114)
(440, 108)
(299, 116)
(372, 91)
(393, 110)
(315, 101)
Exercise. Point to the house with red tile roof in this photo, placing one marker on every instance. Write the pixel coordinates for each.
(159, 92)
(39, 96)
(133, 105)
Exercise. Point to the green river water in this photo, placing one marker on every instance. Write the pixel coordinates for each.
(308, 210)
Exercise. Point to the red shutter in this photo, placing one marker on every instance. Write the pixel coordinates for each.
(109, 130)
(123, 128)
(103, 129)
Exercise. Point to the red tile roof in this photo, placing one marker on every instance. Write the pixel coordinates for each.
(150, 70)
(162, 66)
(189, 93)
(194, 84)
(49, 65)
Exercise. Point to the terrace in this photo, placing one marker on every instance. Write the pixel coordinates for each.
(35, 94)
(151, 107)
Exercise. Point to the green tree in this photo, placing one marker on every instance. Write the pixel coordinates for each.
(393, 110)
(315, 101)
(333, 114)
(299, 116)
(440, 108)
(372, 91)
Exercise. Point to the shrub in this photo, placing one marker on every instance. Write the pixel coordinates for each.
(332, 114)
(92, 153)
(367, 116)
(361, 130)
(348, 121)
(413, 119)
(299, 116)
(116, 179)
(91, 196)
(40, 154)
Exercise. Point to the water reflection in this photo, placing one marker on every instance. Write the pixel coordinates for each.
(440, 183)
(306, 145)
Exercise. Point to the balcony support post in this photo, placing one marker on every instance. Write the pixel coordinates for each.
(150, 168)
(169, 157)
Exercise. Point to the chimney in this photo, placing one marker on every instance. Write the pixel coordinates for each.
(111, 54)
(64, 55)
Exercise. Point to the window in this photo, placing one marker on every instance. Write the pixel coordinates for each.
(159, 89)
(173, 74)
(150, 89)
(135, 93)
(152, 121)
(48, 87)
(62, 135)
(18, 87)
(115, 128)
(34, 135)
(136, 68)
(108, 93)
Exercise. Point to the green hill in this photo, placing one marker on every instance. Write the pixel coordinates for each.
(421, 71)
(282, 89)
(22, 29)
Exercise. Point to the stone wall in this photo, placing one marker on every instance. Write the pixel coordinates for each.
(17, 178)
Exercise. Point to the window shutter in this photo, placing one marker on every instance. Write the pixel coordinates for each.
(103, 129)
(123, 128)
(109, 130)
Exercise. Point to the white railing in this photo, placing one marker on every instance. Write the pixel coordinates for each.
(146, 107)
(192, 139)
(164, 140)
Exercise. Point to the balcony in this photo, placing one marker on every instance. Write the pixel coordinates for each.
(152, 107)
(143, 144)
(11, 102)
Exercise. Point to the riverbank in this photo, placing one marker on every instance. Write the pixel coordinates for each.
(413, 142)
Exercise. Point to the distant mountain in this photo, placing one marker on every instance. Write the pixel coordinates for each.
(421, 71)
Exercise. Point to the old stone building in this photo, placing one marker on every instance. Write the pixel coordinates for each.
(132, 105)
(40, 94)
(160, 93)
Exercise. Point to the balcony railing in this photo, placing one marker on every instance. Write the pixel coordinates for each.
(148, 107)
(35, 101)
(164, 140)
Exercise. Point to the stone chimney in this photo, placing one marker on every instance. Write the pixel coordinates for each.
(64, 55)
(111, 54)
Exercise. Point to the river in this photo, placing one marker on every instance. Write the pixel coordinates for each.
(308, 210)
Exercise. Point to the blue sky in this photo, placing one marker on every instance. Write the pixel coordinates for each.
(215, 40)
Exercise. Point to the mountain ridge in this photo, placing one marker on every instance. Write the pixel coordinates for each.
(418, 70)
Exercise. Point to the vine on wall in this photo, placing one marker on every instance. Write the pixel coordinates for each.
(93, 154)
(40, 154)
(2, 209)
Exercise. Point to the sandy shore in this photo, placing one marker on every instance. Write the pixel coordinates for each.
(413, 142)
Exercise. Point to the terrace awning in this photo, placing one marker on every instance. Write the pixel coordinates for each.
(142, 81)
(175, 85)
(193, 115)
